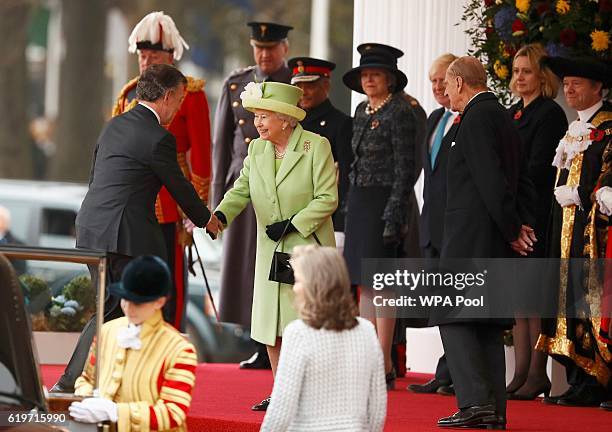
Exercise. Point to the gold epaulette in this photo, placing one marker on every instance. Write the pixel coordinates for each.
(195, 85)
(118, 108)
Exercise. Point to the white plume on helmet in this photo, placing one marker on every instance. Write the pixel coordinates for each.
(148, 29)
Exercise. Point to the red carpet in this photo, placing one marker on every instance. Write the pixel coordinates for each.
(224, 395)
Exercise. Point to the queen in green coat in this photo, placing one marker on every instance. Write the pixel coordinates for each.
(288, 174)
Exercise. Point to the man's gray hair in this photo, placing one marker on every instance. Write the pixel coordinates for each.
(157, 80)
(285, 117)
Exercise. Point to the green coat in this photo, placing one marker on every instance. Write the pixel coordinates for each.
(305, 186)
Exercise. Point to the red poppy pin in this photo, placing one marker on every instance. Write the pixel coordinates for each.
(457, 120)
(375, 124)
(596, 135)
(518, 114)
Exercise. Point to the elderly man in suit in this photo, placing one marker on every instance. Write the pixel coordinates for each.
(233, 133)
(441, 130)
(481, 220)
(135, 155)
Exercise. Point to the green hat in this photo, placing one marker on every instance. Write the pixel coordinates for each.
(273, 96)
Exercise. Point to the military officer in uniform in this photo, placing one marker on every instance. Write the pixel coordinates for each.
(233, 131)
(157, 41)
(313, 77)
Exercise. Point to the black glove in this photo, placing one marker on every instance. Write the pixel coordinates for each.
(221, 217)
(275, 231)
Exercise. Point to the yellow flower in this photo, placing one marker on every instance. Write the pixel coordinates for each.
(523, 5)
(562, 7)
(503, 51)
(600, 40)
(500, 70)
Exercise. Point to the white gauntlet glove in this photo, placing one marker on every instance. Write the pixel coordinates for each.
(567, 196)
(604, 199)
(93, 410)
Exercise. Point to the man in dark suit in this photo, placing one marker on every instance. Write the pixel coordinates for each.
(481, 220)
(436, 146)
(135, 155)
(313, 77)
(233, 132)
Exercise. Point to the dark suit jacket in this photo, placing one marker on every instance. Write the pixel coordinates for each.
(133, 158)
(434, 189)
(337, 127)
(484, 166)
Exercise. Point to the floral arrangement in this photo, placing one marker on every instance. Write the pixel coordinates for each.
(66, 312)
(567, 28)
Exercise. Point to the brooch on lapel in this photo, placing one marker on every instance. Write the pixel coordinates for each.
(306, 145)
(518, 114)
(375, 123)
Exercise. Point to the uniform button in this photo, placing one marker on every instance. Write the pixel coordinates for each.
(241, 122)
(247, 140)
(233, 86)
(235, 104)
(323, 122)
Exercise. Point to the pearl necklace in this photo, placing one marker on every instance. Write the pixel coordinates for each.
(369, 110)
(278, 154)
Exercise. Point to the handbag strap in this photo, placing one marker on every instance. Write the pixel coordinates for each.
(285, 231)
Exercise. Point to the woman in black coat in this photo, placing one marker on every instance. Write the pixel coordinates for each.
(541, 123)
(381, 175)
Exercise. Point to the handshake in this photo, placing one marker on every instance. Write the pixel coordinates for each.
(215, 225)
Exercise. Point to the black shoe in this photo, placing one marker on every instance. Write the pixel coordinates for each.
(607, 405)
(475, 416)
(446, 390)
(531, 396)
(262, 406)
(585, 397)
(60, 388)
(498, 424)
(430, 386)
(257, 361)
(554, 400)
(390, 379)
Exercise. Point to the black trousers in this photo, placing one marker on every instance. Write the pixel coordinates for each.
(442, 371)
(475, 355)
(112, 309)
(174, 310)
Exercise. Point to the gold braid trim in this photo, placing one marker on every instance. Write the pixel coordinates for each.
(119, 107)
(195, 85)
(561, 345)
(201, 185)
(602, 117)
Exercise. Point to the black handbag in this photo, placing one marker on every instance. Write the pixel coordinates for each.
(281, 270)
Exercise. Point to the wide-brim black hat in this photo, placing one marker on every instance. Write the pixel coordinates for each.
(583, 67)
(380, 56)
(145, 279)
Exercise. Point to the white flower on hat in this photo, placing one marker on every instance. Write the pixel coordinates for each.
(252, 90)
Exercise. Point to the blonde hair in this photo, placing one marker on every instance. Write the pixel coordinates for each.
(326, 299)
(470, 70)
(534, 53)
(443, 61)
